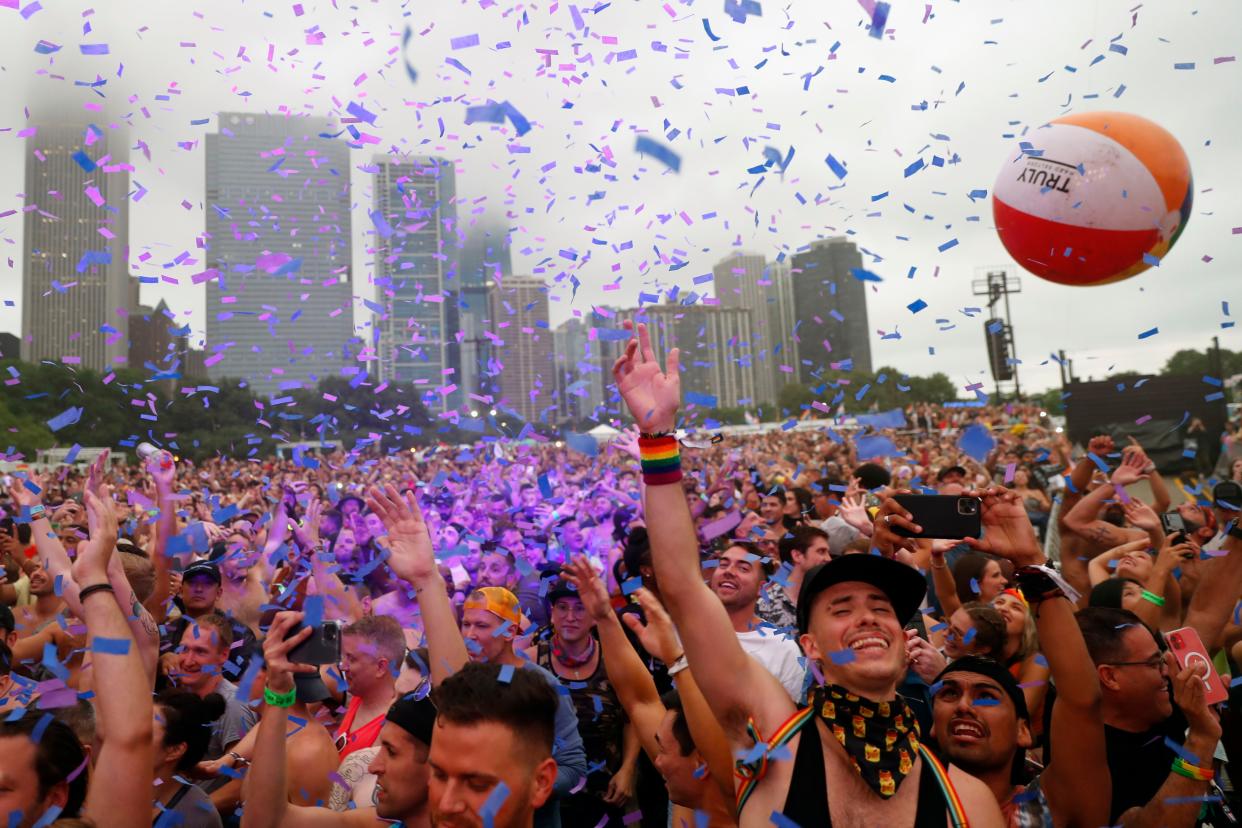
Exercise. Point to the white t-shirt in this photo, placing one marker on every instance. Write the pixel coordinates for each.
(779, 655)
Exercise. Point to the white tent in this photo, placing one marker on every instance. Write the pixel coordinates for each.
(603, 433)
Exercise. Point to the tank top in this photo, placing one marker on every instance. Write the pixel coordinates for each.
(807, 800)
(364, 737)
(601, 718)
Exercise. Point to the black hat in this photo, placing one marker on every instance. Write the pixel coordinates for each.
(414, 714)
(994, 670)
(903, 584)
(558, 588)
(1227, 495)
(950, 470)
(310, 688)
(201, 569)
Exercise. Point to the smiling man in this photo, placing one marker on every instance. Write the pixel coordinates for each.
(850, 616)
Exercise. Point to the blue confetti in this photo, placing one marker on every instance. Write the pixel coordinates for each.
(505, 676)
(84, 161)
(705, 400)
(838, 169)
(66, 418)
(878, 20)
(110, 646)
(842, 656)
(648, 146)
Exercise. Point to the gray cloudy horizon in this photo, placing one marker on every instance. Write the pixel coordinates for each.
(961, 81)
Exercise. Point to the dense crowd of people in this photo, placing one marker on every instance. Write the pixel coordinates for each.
(750, 631)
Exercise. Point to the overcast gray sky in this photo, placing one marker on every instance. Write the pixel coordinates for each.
(988, 72)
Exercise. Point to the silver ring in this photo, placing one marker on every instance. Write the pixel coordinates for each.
(888, 519)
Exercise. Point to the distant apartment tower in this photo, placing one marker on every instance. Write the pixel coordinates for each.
(745, 280)
(76, 233)
(714, 359)
(485, 258)
(151, 341)
(580, 376)
(523, 347)
(830, 309)
(279, 311)
(415, 258)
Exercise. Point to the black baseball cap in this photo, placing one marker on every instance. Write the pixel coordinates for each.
(903, 584)
(1227, 495)
(202, 569)
(950, 470)
(994, 670)
(415, 715)
(559, 588)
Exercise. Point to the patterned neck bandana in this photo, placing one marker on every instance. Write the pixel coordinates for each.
(881, 738)
(558, 649)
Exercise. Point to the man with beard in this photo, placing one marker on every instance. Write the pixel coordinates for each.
(491, 752)
(490, 620)
(737, 579)
(846, 770)
(801, 550)
(980, 713)
(400, 766)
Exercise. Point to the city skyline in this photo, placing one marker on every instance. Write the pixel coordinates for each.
(916, 130)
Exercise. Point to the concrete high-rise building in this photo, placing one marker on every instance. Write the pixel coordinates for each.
(484, 259)
(523, 347)
(830, 308)
(745, 280)
(415, 260)
(279, 311)
(580, 377)
(714, 359)
(10, 346)
(76, 232)
(151, 340)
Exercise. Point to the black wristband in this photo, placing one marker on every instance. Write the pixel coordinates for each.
(1036, 585)
(87, 592)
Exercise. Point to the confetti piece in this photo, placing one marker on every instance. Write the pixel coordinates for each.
(977, 442)
(916, 306)
(951, 243)
(65, 418)
(110, 646)
(496, 113)
(707, 27)
(878, 20)
(838, 169)
(630, 585)
(505, 676)
(495, 801)
(464, 42)
(647, 146)
(705, 400)
(842, 656)
(1149, 333)
(93, 48)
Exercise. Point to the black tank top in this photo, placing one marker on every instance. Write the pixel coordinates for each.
(807, 801)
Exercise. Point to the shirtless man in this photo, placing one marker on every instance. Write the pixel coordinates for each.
(857, 755)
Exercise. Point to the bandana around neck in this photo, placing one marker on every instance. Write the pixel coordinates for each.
(881, 738)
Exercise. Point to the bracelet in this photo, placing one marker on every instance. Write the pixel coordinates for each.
(36, 512)
(86, 592)
(651, 435)
(1153, 598)
(943, 565)
(1183, 768)
(275, 699)
(239, 761)
(1036, 585)
(677, 666)
(660, 458)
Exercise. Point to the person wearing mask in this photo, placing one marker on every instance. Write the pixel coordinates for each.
(801, 550)
(850, 616)
(570, 651)
(490, 621)
(372, 650)
(981, 723)
(400, 764)
(737, 579)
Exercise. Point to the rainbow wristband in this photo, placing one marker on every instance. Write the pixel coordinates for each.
(1184, 768)
(661, 459)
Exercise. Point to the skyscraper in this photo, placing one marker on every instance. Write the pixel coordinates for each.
(831, 309)
(415, 258)
(484, 259)
(279, 312)
(523, 347)
(580, 377)
(744, 280)
(76, 231)
(714, 359)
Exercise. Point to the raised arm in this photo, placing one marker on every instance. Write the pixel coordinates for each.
(1099, 571)
(414, 561)
(1083, 520)
(1218, 591)
(163, 470)
(120, 791)
(736, 685)
(942, 580)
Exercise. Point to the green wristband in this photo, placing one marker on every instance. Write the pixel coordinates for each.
(1153, 597)
(275, 699)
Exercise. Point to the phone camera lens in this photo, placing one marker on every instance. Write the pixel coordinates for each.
(968, 506)
(1176, 641)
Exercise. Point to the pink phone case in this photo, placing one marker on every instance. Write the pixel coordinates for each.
(1188, 649)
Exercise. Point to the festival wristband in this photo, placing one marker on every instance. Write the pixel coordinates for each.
(36, 512)
(677, 666)
(1183, 768)
(661, 459)
(1153, 598)
(275, 699)
(88, 591)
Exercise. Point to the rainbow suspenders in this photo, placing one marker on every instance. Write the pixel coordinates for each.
(750, 773)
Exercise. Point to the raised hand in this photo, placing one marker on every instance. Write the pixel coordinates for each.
(1142, 516)
(1101, 445)
(1133, 468)
(893, 515)
(95, 474)
(854, 512)
(1190, 696)
(627, 441)
(651, 395)
(163, 470)
(412, 556)
(22, 495)
(276, 648)
(1007, 530)
(657, 635)
(591, 591)
(91, 564)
